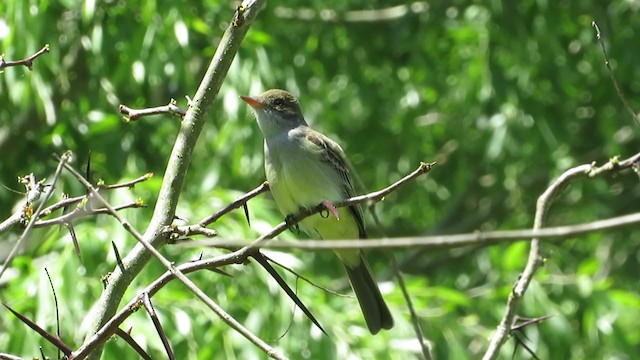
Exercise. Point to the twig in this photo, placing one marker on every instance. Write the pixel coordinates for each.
(74, 200)
(174, 176)
(28, 62)
(55, 340)
(63, 160)
(134, 114)
(483, 238)
(34, 190)
(4, 356)
(330, 15)
(503, 331)
(129, 340)
(74, 240)
(55, 300)
(128, 184)
(174, 271)
(424, 345)
(309, 281)
(264, 262)
(236, 257)
(633, 115)
(236, 204)
(82, 212)
(173, 232)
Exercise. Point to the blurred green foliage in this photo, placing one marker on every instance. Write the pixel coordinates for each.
(505, 96)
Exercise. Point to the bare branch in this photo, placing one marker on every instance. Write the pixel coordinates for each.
(424, 345)
(127, 184)
(63, 160)
(34, 190)
(236, 257)
(437, 241)
(188, 230)
(241, 201)
(200, 229)
(330, 15)
(55, 300)
(504, 329)
(134, 114)
(309, 281)
(82, 212)
(633, 115)
(28, 62)
(4, 356)
(450, 241)
(173, 179)
(173, 270)
(264, 262)
(101, 186)
(49, 337)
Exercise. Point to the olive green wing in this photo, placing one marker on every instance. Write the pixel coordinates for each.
(333, 155)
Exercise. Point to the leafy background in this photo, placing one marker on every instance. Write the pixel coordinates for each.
(503, 95)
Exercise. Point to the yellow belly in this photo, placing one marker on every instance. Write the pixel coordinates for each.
(302, 181)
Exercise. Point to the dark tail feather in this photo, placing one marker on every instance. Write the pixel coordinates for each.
(375, 310)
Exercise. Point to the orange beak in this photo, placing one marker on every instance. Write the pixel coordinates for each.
(253, 102)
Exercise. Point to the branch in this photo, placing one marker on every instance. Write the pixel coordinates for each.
(34, 190)
(293, 219)
(427, 351)
(200, 228)
(172, 269)
(63, 160)
(81, 212)
(236, 257)
(4, 356)
(127, 184)
(534, 262)
(28, 62)
(483, 238)
(49, 337)
(330, 15)
(241, 201)
(134, 114)
(627, 107)
(173, 179)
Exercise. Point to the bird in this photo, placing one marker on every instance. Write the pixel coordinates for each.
(305, 168)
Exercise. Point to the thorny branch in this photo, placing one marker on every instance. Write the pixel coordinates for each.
(32, 220)
(236, 257)
(173, 179)
(34, 190)
(90, 346)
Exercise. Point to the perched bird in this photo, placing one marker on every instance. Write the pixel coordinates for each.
(305, 168)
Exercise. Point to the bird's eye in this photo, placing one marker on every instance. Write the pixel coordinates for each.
(278, 102)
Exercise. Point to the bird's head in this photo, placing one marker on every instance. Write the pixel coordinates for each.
(276, 111)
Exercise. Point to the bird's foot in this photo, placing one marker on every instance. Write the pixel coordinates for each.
(292, 223)
(329, 206)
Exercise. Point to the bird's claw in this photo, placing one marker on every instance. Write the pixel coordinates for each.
(329, 206)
